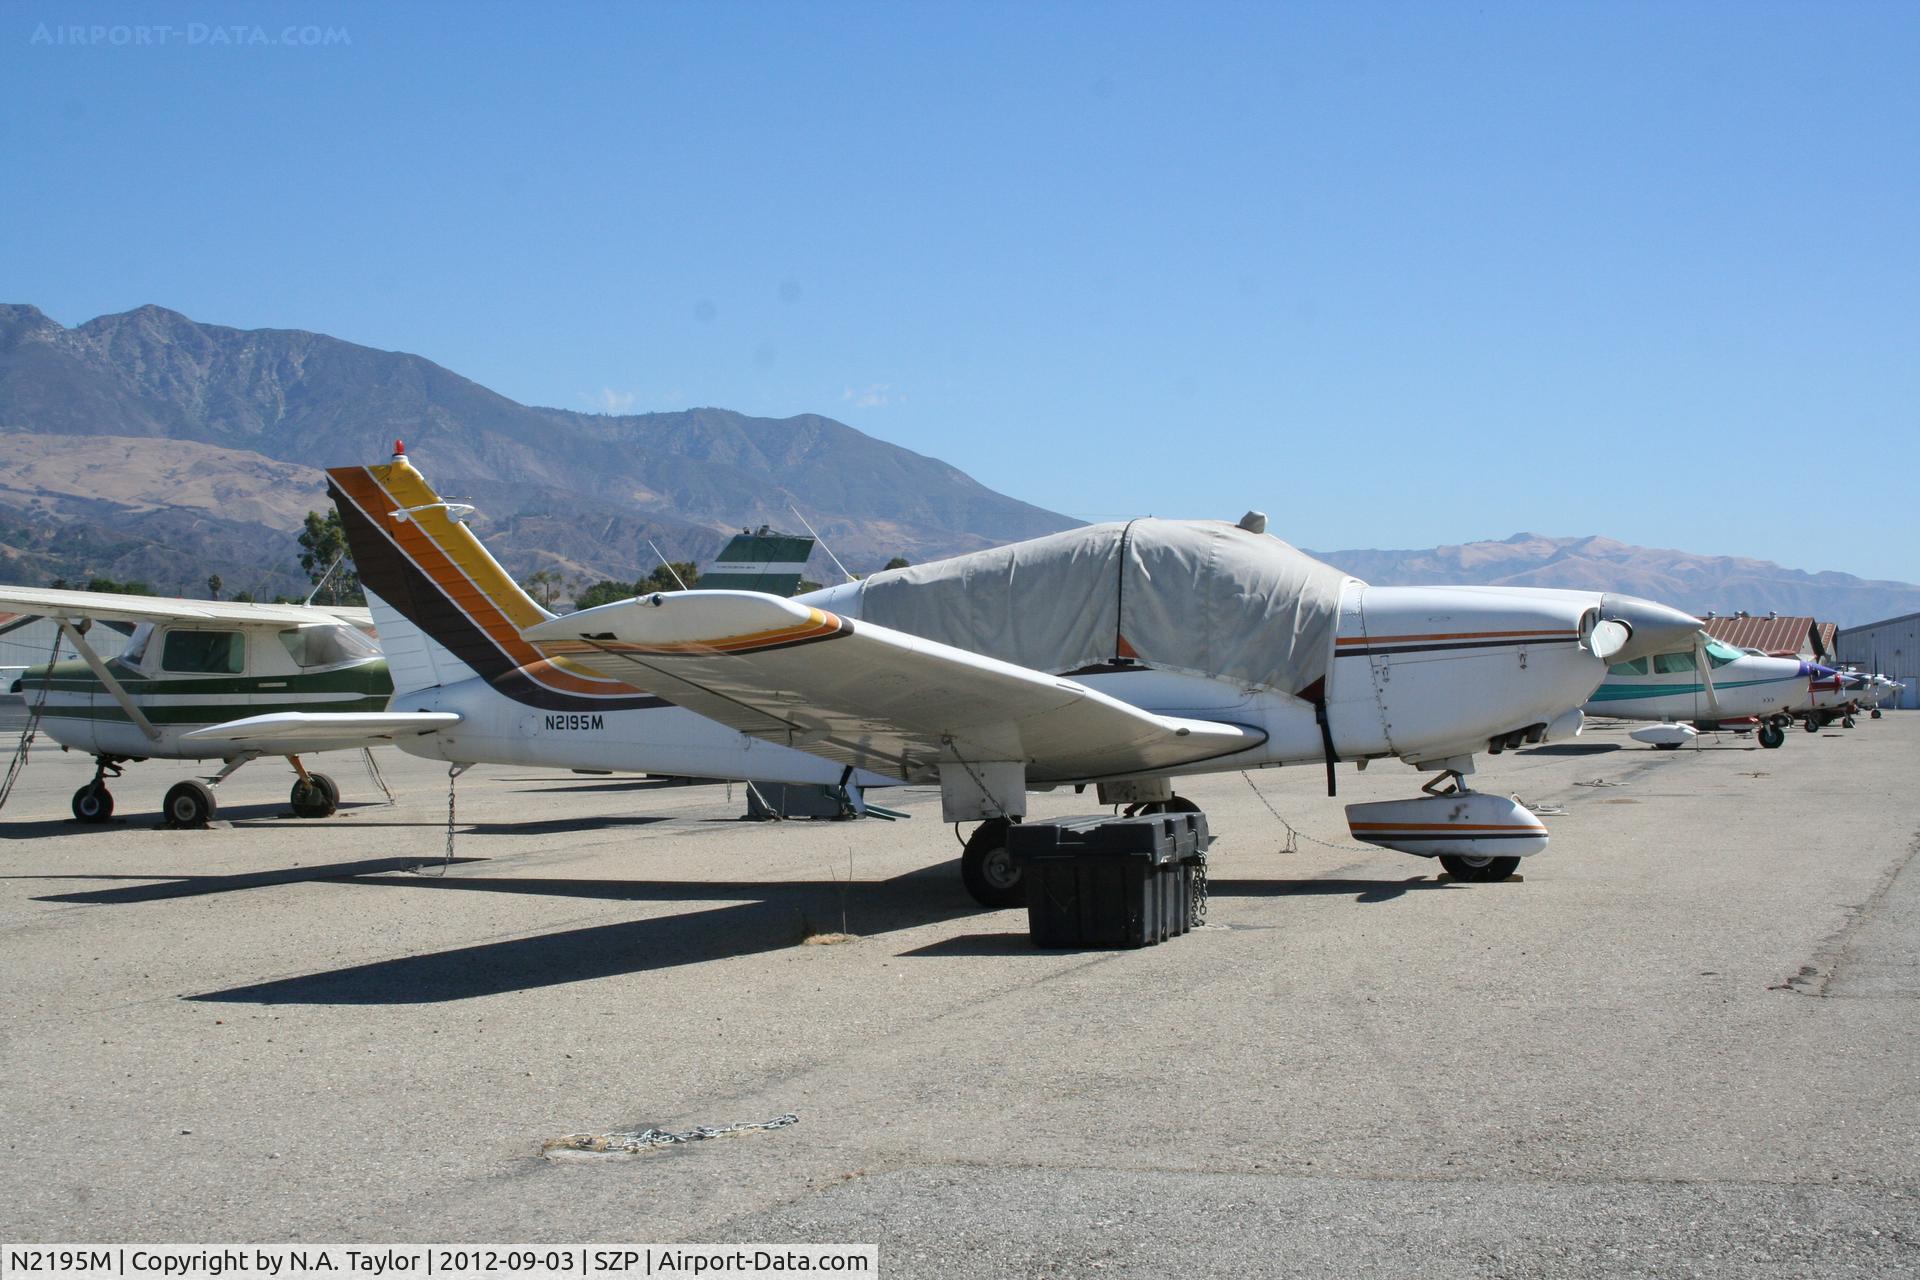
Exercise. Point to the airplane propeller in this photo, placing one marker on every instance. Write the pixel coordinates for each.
(1608, 638)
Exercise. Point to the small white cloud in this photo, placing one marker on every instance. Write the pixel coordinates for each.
(607, 400)
(875, 395)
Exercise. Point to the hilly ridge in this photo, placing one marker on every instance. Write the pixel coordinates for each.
(579, 492)
(147, 445)
(1700, 583)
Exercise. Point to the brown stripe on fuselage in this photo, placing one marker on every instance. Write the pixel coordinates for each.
(420, 548)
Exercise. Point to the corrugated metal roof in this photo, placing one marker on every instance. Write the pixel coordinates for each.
(1783, 637)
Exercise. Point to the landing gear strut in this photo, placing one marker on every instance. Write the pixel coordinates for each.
(93, 803)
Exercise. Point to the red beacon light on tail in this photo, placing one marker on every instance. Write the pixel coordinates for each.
(399, 451)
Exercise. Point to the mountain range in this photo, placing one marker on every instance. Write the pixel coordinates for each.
(149, 446)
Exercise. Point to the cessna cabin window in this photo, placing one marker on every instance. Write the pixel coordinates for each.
(1719, 655)
(1638, 667)
(1668, 664)
(327, 646)
(205, 652)
(137, 646)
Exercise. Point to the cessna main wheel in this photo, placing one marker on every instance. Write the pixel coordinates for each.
(188, 804)
(1772, 735)
(991, 876)
(1875, 713)
(1478, 870)
(315, 796)
(92, 803)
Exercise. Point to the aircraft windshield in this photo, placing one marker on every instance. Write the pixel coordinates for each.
(1719, 654)
(327, 646)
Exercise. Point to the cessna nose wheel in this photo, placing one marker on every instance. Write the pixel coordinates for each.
(93, 803)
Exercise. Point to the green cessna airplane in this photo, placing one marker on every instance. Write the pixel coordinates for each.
(199, 664)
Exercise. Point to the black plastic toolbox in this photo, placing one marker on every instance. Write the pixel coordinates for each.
(1102, 881)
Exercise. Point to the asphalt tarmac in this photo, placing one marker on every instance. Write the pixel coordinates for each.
(1684, 1043)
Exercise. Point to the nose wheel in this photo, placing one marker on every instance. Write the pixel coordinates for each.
(1478, 870)
(93, 803)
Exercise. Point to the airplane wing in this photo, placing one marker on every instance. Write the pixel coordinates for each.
(291, 732)
(107, 606)
(870, 696)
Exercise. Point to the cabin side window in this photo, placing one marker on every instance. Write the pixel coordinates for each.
(326, 646)
(1671, 664)
(1638, 667)
(204, 652)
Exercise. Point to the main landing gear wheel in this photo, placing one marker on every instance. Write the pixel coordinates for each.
(93, 803)
(991, 876)
(315, 796)
(188, 804)
(1478, 870)
(1846, 722)
(1811, 725)
(1772, 735)
(1875, 713)
(1174, 804)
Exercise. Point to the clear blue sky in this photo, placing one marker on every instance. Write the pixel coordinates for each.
(1398, 274)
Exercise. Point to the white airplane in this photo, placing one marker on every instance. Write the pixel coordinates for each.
(1126, 655)
(1831, 695)
(469, 690)
(191, 663)
(1237, 652)
(1701, 685)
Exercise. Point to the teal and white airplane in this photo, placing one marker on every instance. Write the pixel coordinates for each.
(189, 664)
(192, 668)
(1702, 687)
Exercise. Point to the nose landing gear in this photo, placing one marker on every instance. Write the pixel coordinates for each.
(93, 803)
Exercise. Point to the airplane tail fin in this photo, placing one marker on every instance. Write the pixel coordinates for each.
(444, 608)
(762, 561)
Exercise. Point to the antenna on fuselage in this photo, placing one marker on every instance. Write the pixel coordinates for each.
(670, 569)
(822, 543)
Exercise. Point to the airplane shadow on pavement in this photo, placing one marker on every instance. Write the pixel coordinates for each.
(782, 914)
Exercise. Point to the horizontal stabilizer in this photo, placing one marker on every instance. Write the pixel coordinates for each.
(289, 732)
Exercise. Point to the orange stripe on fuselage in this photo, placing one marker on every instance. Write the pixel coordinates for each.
(1460, 635)
(456, 563)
